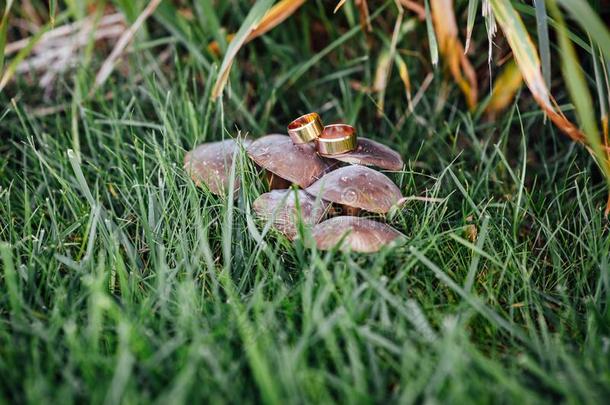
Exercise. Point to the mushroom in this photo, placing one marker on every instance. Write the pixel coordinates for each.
(210, 164)
(281, 205)
(355, 233)
(372, 153)
(357, 187)
(299, 164)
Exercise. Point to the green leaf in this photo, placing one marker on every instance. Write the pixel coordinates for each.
(579, 91)
(590, 21)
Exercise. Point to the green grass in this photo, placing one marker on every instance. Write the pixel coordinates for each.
(123, 282)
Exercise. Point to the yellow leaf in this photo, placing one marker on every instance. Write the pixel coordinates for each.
(275, 16)
(403, 72)
(505, 87)
(452, 50)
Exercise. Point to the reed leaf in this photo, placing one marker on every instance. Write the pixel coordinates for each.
(248, 27)
(526, 57)
(452, 50)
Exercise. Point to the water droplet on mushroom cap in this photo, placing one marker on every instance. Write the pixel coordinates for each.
(354, 233)
(210, 164)
(371, 153)
(358, 187)
(281, 205)
(299, 164)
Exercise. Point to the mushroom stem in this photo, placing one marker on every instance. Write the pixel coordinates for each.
(350, 211)
(275, 182)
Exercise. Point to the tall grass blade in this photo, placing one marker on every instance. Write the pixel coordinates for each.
(23, 53)
(590, 21)
(473, 6)
(580, 95)
(276, 15)
(526, 57)
(10, 277)
(431, 35)
(52, 11)
(542, 29)
(4, 31)
(249, 25)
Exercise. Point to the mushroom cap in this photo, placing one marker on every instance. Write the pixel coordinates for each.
(358, 234)
(210, 164)
(359, 187)
(372, 153)
(299, 164)
(281, 205)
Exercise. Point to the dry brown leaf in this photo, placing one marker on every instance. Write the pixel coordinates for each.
(365, 18)
(119, 48)
(363, 10)
(339, 5)
(471, 232)
(415, 7)
(452, 50)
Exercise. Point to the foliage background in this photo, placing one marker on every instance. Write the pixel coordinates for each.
(125, 283)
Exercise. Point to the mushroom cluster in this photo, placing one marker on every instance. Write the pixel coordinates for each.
(335, 184)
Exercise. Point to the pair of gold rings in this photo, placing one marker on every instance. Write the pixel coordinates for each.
(330, 140)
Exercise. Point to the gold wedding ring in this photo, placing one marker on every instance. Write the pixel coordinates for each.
(337, 139)
(306, 128)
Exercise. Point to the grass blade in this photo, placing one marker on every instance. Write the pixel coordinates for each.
(527, 60)
(276, 15)
(473, 6)
(4, 31)
(590, 21)
(10, 277)
(580, 95)
(52, 12)
(473, 301)
(542, 28)
(431, 35)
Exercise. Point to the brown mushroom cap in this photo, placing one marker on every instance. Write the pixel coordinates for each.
(281, 205)
(210, 164)
(359, 187)
(372, 153)
(299, 164)
(358, 234)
